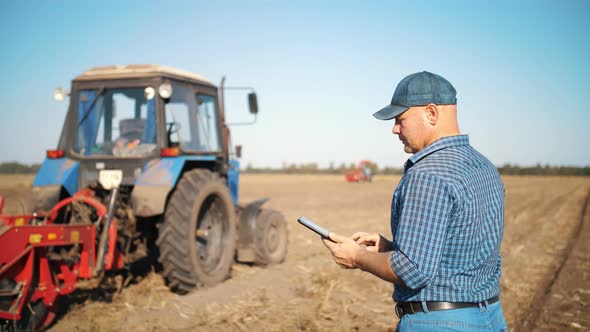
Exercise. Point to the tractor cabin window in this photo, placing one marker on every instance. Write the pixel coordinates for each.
(191, 121)
(115, 122)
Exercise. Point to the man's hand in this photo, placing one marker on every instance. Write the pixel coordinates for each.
(344, 250)
(374, 242)
(349, 254)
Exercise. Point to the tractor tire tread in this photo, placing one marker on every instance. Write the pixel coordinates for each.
(179, 262)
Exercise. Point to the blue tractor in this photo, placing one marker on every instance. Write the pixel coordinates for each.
(152, 144)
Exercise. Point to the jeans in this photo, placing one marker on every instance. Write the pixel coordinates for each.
(484, 318)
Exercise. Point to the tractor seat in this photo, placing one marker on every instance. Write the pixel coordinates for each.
(131, 129)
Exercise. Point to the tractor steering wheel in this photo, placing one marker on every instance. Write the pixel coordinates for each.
(173, 128)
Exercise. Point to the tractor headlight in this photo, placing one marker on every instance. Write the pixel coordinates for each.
(165, 90)
(149, 93)
(60, 94)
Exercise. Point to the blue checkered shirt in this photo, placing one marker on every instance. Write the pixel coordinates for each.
(447, 220)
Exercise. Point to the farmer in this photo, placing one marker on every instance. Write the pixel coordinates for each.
(366, 171)
(447, 219)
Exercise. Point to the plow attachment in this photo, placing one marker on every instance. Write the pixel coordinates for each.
(41, 260)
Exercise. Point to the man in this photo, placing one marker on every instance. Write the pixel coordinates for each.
(447, 219)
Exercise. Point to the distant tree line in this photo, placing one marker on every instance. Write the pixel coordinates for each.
(543, 170)
(308, 168)
(508, 169)
(313, 168)
(14, 167)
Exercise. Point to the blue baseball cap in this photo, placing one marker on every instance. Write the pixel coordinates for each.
(417, 90)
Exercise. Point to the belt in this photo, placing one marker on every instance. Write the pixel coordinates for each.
(405, 308)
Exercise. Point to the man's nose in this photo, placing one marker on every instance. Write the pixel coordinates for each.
(395, 129)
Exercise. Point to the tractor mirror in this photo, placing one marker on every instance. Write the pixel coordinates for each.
(239, 151)
(253, 103)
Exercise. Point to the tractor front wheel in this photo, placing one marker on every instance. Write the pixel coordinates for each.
(197, 240)
(271, 237)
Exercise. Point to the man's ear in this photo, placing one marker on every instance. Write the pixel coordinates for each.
(432, 114)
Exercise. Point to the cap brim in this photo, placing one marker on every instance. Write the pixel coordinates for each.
(390, 111)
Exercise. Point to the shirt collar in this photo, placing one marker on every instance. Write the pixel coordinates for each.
(439, 144)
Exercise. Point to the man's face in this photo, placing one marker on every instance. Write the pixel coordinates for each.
(411, 128)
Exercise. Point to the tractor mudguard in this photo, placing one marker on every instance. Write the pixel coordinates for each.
(43, 198)
(51, 177)
(246, 231)
(61, 171)
(158, 178)
(149, 200)
(151, 188)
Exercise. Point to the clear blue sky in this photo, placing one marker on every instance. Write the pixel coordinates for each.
(320, 68)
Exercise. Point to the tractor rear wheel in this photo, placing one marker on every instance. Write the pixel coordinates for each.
(197, 240)
(271, 237)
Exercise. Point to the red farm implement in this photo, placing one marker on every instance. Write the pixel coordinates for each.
(363, 173)
(41, 260)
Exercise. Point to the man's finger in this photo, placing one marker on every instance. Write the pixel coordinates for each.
(337, 238)
(368, 238)
(357, 235)
(364, 240)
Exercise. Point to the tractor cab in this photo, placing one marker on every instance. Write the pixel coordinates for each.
(122, 122)
(125, 121)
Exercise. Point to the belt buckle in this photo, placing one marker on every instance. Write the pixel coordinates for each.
(399, 311)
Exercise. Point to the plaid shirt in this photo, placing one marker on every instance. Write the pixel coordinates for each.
(447, 220)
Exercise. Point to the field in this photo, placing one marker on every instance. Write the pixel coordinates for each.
(545, 282)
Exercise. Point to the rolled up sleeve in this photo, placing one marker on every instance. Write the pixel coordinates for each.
(424, 210)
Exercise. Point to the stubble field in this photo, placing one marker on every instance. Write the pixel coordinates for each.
(544, 225)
